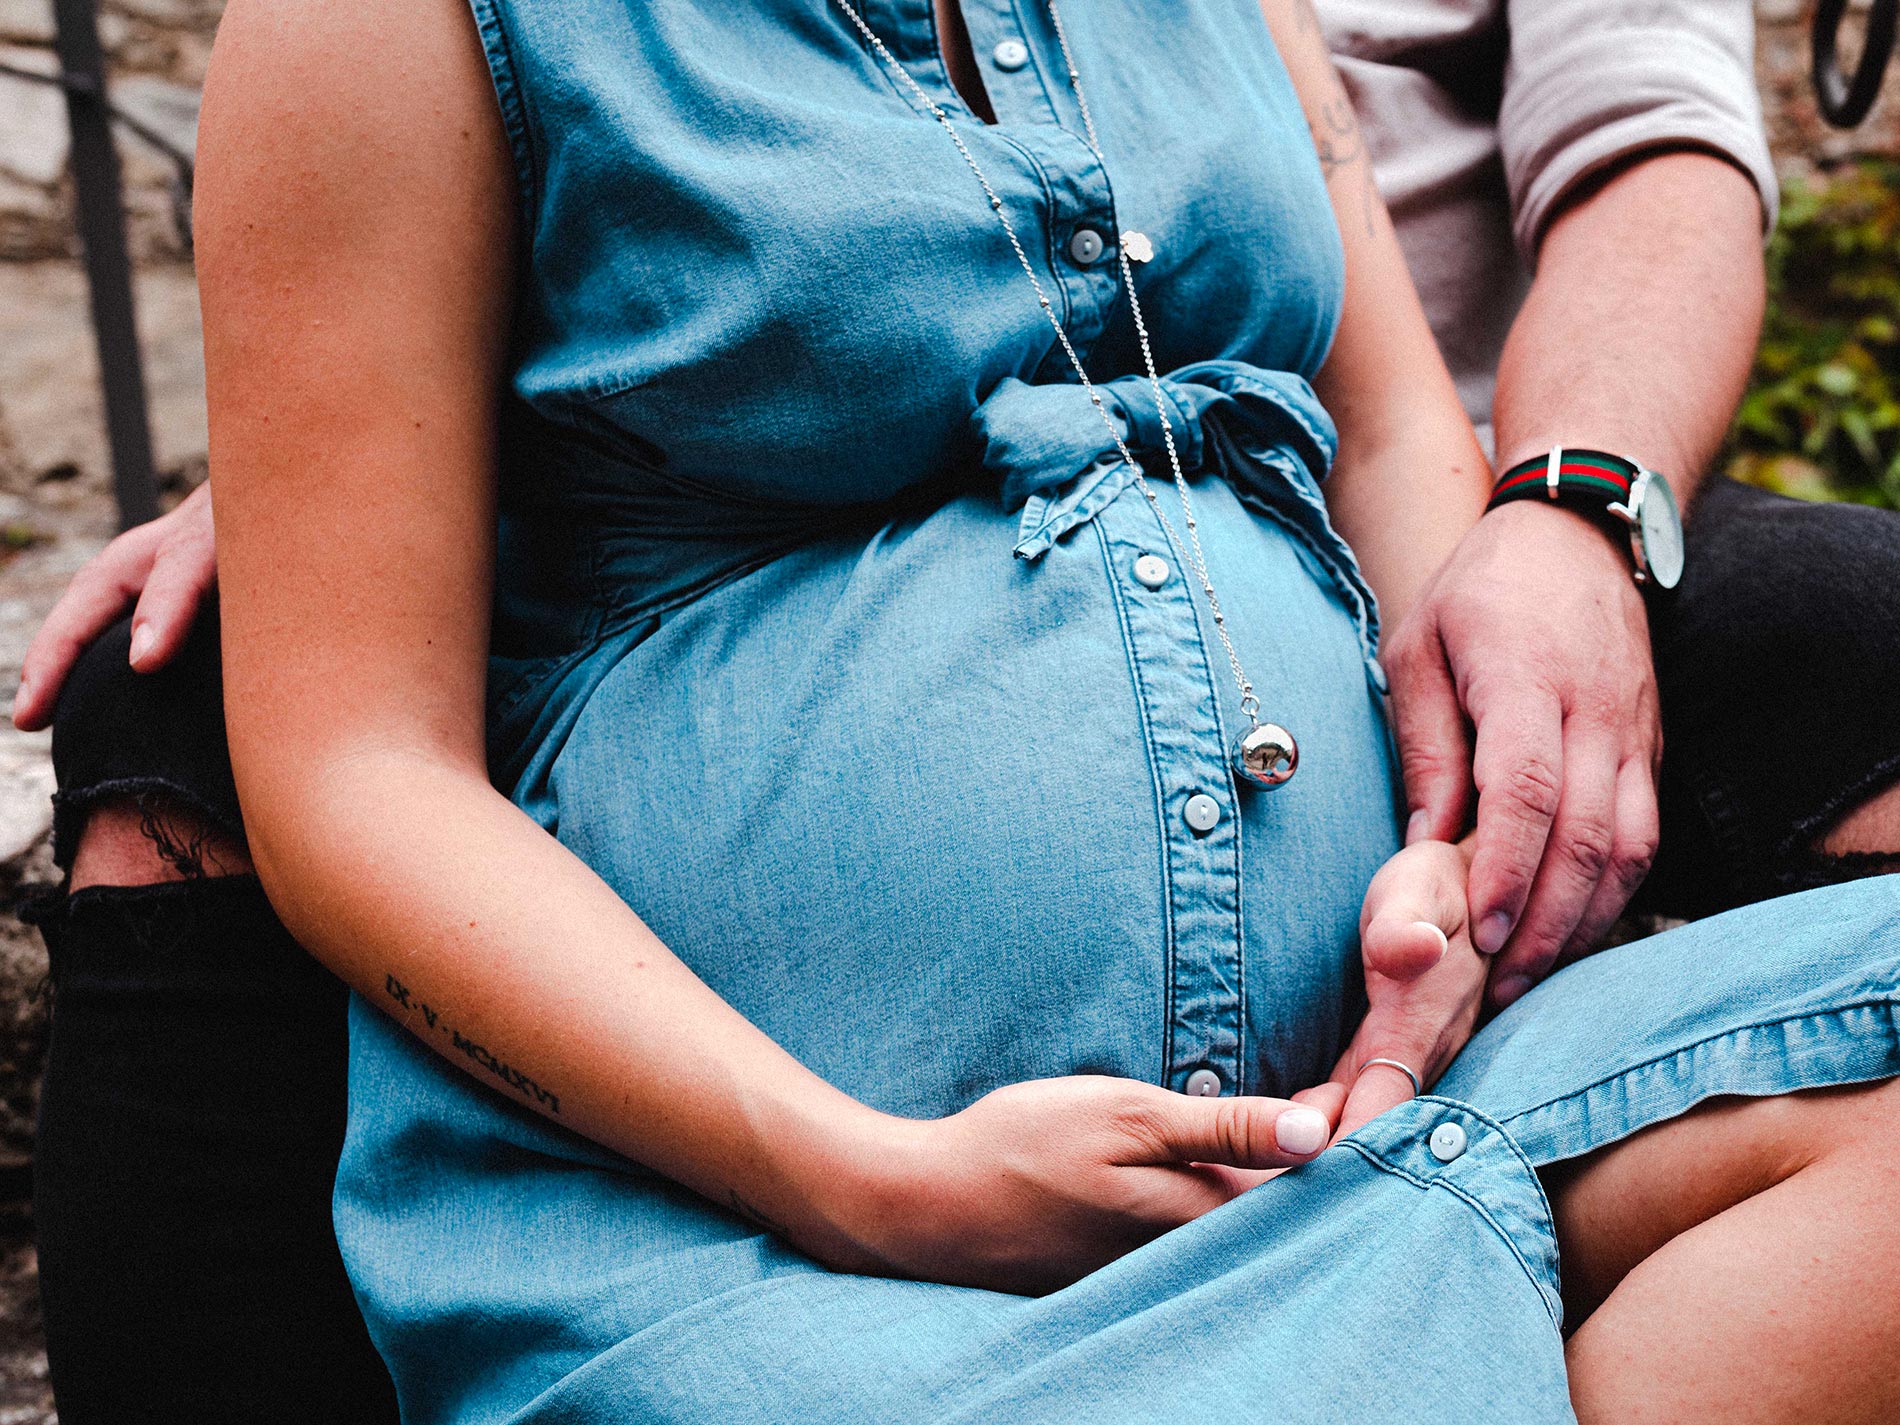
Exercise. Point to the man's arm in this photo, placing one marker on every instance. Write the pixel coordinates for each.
(1636, 338)
(1641, 325)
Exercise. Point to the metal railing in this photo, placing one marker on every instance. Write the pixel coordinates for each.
(1845, 100)
(100, 210)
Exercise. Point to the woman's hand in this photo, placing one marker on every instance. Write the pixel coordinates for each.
(167, 565)
(1037, 1184)
(1424, 979)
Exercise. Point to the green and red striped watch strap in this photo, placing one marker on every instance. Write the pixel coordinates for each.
(1563, 471)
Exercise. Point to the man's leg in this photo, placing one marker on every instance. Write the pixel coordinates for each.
(192, 1110)
(1779, 665)
(1734, 1263)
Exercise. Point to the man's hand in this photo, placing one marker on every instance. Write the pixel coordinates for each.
(168, 566)
(1424, 982)
(1526, 669)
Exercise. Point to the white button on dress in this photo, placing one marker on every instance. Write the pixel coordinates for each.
(1202, 812)
(1086, 246)
(1010, 55)
(1202, 1083)
(1153, 570)
(1447, 1142)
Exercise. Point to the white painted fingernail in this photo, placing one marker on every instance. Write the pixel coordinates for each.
(1444, 940)
(142, 641)
(1415, 828)
(1301, 1131)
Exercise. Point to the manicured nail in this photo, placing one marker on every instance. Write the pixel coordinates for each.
(1415, 828)
(1301, 1131)
(1493, 931)
(1444, 940)
(19, 697)
(142, 641)
(1512, 989)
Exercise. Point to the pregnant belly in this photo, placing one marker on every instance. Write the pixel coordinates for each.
(919, 808)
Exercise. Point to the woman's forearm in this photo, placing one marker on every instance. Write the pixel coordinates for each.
(1404, 498)
(1410, 478)
(542, 984)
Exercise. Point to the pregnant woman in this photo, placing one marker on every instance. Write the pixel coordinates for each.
(941, 754)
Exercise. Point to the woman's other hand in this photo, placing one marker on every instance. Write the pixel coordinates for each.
(1038, 1184)
(167, 565)
(1424, 979)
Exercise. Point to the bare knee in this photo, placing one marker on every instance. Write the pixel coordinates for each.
(142, 841)
(1620, 1205)
(1872, 828)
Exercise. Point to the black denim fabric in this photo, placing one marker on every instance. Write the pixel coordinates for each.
(1779, 664)
(193, 1108)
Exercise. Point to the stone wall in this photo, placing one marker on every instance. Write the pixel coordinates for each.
(55, 507)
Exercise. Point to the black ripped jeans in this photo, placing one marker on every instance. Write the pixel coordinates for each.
(192, 1110)
(193, 1103)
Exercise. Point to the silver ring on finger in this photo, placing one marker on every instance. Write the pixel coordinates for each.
(1418, 1088)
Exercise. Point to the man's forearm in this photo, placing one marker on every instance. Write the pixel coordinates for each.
(1642, 321)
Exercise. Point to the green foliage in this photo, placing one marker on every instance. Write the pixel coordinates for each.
(16, 537)
(1821, 419)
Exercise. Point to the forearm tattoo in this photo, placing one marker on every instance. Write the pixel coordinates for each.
(431, 1022)
(1337, 136)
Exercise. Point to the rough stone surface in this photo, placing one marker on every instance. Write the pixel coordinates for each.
(33, 118)
(26, 20)
(54, 484)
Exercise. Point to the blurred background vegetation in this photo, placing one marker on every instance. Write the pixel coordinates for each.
(1821, 420)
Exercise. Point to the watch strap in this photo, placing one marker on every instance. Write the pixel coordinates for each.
(1590, 479)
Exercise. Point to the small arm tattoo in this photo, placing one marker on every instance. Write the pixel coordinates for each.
(1342, 145)
(425, 1019)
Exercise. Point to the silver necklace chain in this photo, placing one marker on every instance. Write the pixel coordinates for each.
(1196, 560)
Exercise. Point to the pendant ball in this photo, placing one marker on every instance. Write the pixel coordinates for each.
(1266, 755)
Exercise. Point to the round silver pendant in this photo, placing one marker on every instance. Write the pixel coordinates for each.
(1266, 755)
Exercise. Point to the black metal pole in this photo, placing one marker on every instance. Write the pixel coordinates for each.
(1845, 100)
(101, 215)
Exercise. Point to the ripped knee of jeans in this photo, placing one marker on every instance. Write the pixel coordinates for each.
(1813, 868)
(1868, 828)
(143, 832)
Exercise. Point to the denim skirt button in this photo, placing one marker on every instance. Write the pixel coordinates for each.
(1202, 1083)
(1447, 1142)
(1010, 55)
(1202, 812)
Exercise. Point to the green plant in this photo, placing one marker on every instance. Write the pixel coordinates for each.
(1821, 419)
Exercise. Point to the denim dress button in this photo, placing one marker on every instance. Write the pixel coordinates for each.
(1447, 1142)
(1202, 1083)
(1010, 55)
(1202, 812)
(1086, 246)
(1152, 570)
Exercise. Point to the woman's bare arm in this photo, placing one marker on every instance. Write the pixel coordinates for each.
(356, 250)
(1410, 478)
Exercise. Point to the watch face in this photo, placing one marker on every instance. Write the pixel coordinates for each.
(1660, 527)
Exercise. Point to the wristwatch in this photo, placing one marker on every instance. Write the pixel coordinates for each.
(1618, 494)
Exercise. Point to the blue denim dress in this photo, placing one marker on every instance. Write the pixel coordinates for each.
(834, 634)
